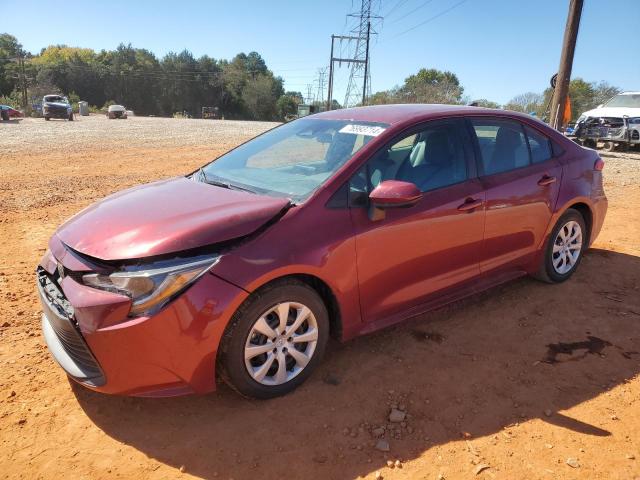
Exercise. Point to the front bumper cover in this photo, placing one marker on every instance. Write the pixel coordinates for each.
(170, 353)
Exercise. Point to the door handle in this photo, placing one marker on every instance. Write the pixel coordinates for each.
(546, 180)
(470, 204)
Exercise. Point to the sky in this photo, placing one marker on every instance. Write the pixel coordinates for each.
(498, 48)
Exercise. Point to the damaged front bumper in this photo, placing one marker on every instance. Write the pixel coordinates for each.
(608, 129)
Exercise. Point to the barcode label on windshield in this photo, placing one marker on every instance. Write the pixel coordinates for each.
(366, 130)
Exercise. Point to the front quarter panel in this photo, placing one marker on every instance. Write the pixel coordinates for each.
(308, 240)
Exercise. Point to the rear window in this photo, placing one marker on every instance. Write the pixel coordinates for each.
(539, 144)
(502, 143)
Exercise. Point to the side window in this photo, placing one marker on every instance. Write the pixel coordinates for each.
(502, 143)
(539, 144)
(431, 158)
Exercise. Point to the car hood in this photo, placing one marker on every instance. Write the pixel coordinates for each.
(165, 217)
(617, 112)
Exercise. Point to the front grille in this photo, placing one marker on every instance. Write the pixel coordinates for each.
(604, 132)
(56, 108)
(59, 314)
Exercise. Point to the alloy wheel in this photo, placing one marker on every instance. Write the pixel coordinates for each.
(567, 247)
(281, 343)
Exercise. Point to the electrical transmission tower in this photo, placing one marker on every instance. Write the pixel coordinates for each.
(360, 76)
(322, 73)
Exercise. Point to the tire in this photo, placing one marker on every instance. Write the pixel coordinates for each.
(609, 146)
(71, 117)
(47, 118)
(553, 268)
(5, 115)
(261, 311)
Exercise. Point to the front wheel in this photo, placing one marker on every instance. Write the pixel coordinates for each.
(564, 249)
(275, 340)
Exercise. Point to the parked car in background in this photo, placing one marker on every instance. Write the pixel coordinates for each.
(116, 111)
(616, 122)
(336, 224)
(7, 113)
(56, 106)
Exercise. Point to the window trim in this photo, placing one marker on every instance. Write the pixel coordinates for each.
(458, 122)
(479, 161)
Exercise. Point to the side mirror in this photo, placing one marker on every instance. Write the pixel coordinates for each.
(392, 194)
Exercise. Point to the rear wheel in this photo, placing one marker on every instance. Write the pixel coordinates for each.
(564, 249)
(71, 117)
(47, 118)
(275, 340)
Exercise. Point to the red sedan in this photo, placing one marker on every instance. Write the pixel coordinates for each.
(7, 113)
(336, 224)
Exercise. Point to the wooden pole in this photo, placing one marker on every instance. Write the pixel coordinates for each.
(566, 62)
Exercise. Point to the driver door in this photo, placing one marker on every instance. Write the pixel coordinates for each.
(414, 254)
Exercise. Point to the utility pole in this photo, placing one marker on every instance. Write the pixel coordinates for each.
(366, 67)
(22, 81)
(566, 62)
(330, 88)
(340, 60)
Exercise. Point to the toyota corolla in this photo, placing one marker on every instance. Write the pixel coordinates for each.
(336, 224)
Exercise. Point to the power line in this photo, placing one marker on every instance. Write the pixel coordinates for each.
(430, 19)
(395, 7)
(396, 20)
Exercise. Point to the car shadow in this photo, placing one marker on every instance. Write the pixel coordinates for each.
(521, 351)
(13, 121)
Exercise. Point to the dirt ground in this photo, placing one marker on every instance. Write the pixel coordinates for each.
(526, 381)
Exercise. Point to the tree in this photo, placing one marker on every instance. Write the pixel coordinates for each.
(484, 103)
(426, 86)
(286, 105)
(585, 95)
(432, 86)
(10, 49)
(529, 102)
(603, 92)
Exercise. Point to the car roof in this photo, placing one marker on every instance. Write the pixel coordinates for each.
(403, 113)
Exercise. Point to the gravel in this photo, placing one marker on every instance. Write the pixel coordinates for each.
(97, 132)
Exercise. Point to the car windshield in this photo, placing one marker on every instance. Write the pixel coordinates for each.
(55, 98)
(294, 159)
(628, 100)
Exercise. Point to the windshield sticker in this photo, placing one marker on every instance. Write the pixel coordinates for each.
(366, 130)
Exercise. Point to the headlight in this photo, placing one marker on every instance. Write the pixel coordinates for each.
(153, 286)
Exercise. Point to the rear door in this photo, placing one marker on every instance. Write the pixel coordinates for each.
(415, 253)
(521, 181)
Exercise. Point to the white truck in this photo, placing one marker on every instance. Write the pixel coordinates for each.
(616, 123)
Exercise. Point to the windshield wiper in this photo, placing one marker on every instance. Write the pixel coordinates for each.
(219, 183)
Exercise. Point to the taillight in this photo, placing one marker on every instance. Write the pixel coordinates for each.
(599, 165)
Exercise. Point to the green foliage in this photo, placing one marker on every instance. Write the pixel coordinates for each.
(9, 51)
(178, 82)
(426, 86)
(13, 99)
(529, 102)
(584, 96)
(484, 103)
(286, 105)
